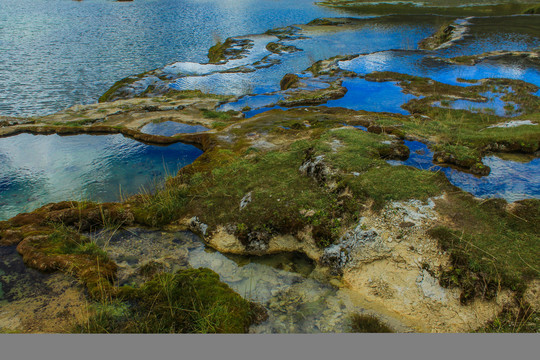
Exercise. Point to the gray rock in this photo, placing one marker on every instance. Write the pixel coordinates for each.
(315, 168)
(430, 287)
(245, 200)
(340, 255)
(197, 226)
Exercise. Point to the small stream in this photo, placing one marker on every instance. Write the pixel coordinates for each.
(298, 296)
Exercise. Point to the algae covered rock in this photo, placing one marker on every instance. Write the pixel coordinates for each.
(289, 81)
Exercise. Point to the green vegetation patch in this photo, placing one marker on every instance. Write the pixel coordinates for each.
(66, 250)
(109, 94)
(218, 115)
(520, 319)
(283, 199)
(444, 34)
(280, 195)
(463, 137)
(490, 246)
(1, 290)
(160, 206)
(75, 123)
(229, 49)
(375, 179)
(191, 94)
(533, 10)
(368, 324)
(360, 7)
(189, 301)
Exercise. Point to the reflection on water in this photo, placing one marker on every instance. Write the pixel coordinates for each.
(510, 180)
(296, 294)
(387, 50)
(57, 53)
(494, 105)
(365, 36)
(372, 96)
(37, 170)
(419, 64)
(171, 128)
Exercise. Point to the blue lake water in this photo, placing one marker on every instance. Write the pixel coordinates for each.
(421, 64)
(510, 180)
(368, 36)
(37, 170)
(58, 53)
(372, 96)
(494, 105)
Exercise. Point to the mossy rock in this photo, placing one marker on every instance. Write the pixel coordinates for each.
(225, 51)
(289, 81)
(67, 251)
(114, 91)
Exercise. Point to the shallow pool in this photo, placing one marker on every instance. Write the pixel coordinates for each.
(171, 128)
(510, 180)
(37, 170)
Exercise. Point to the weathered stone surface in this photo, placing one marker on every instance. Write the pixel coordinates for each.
(197, 226)
(245, 200)
(430, 287)
(356, 245)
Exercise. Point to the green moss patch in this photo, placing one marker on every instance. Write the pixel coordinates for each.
(368, 324)
(219, 115)
(228, 49)
(444, 34)
(189, 301)
(533, 10)
(520, 319)
(490, 247)
(113, 90)
(374, 179)
(68, 251)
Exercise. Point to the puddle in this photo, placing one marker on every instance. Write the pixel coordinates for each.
(372, 96)
(495, 105)
(510, 180)
(171, 128)
(296, 294)
(37, 170)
